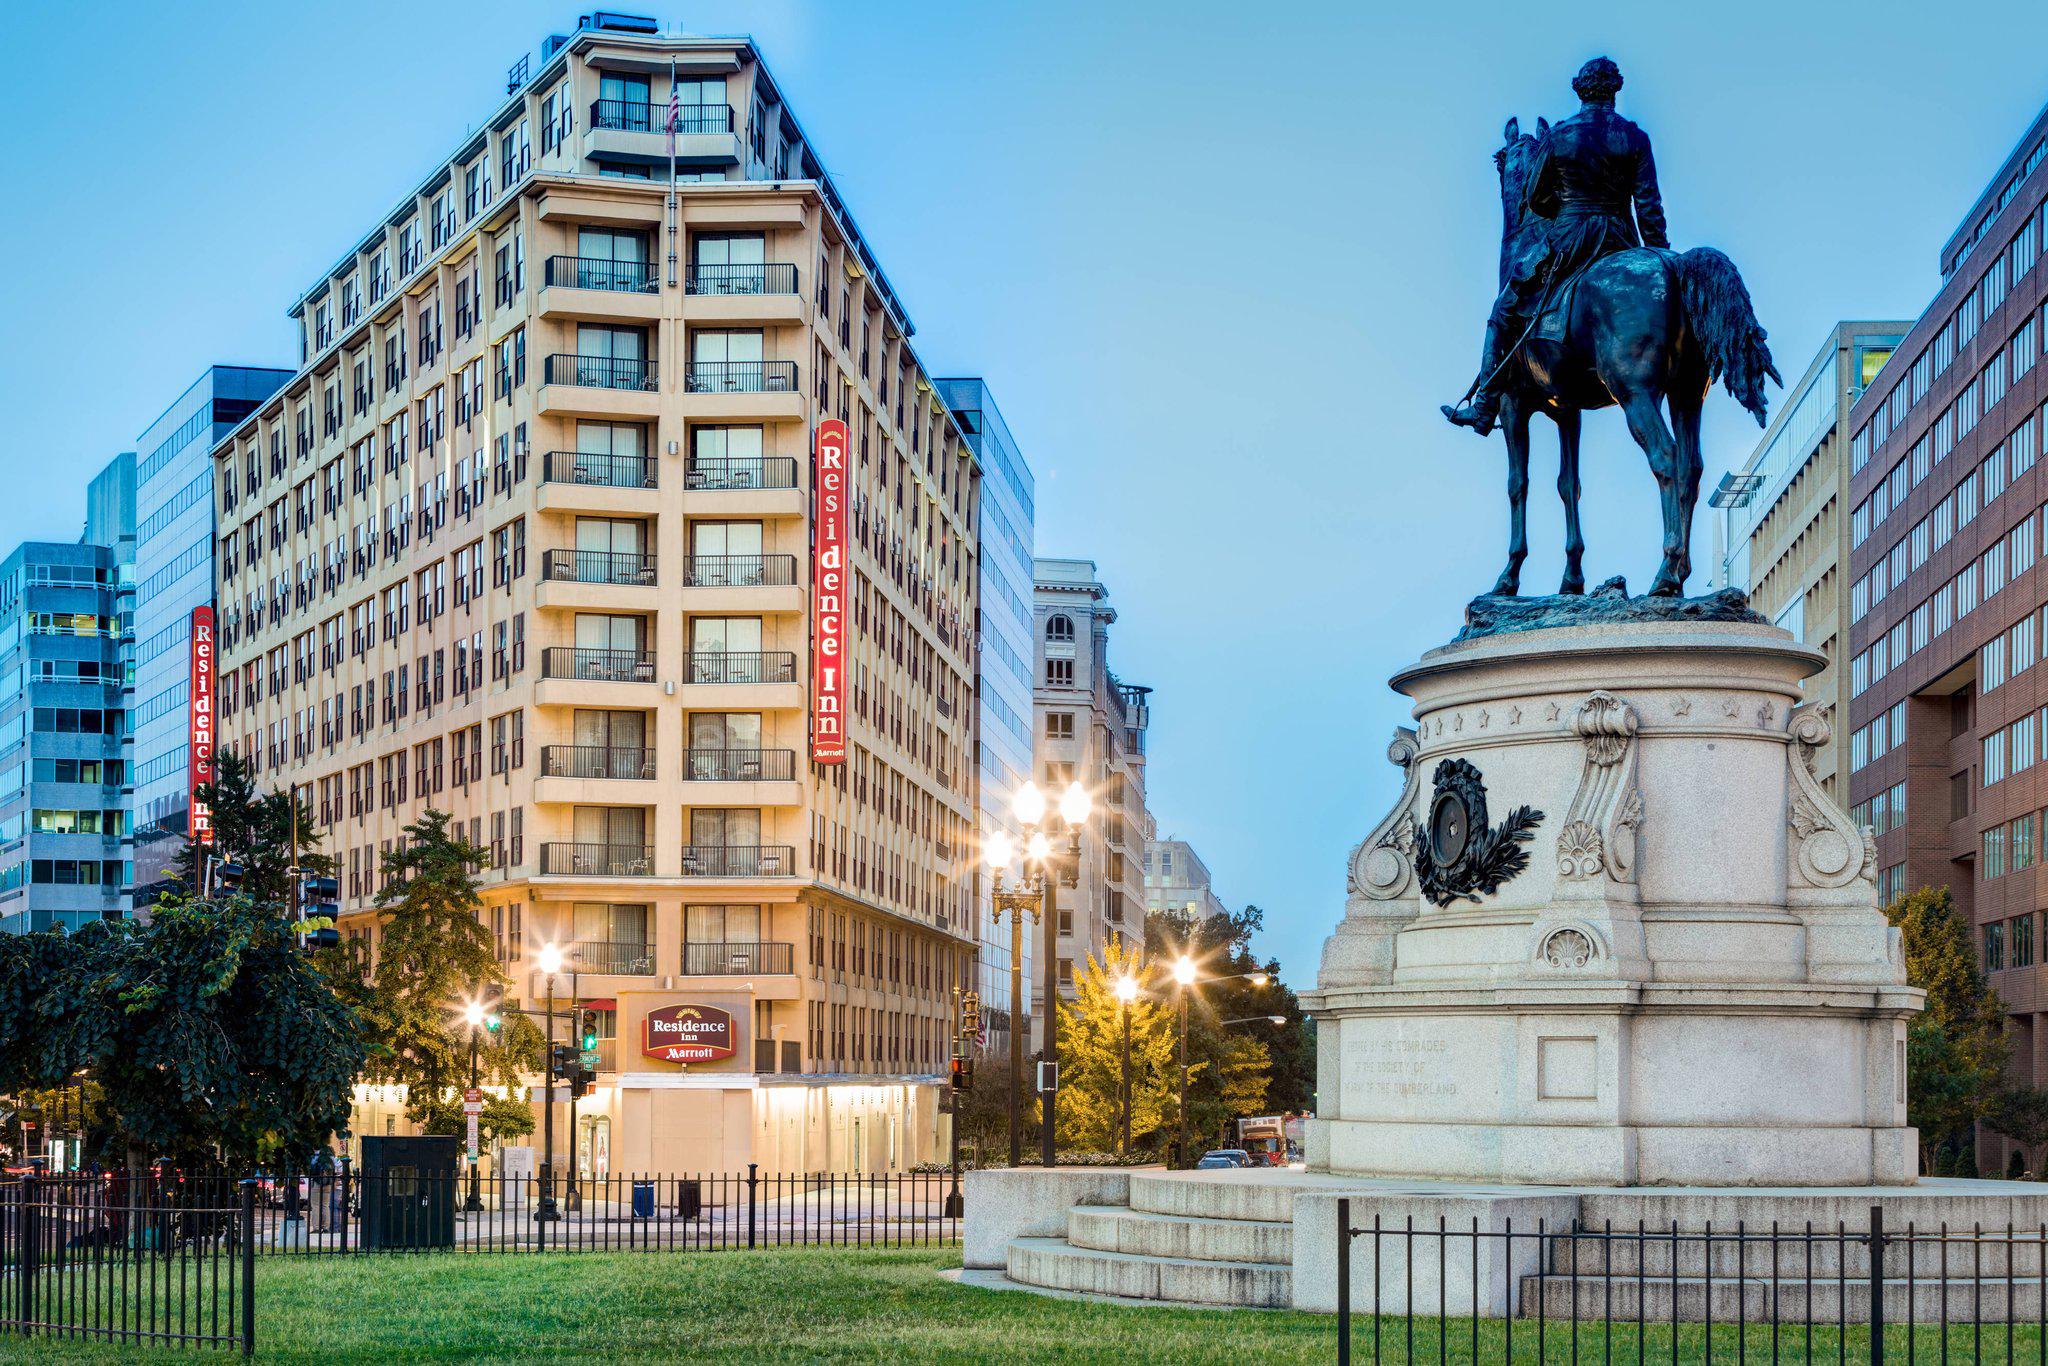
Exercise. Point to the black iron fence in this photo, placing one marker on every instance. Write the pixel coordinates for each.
(737, 666)
(604, 471)
(140, 1262)
(741, 472)
(739, 765)
(589, 272)
(1542, 1293)
(598, 566)
(597, 665)
(633, 116)
(740, 377)
(596, 761)
(739, 571)
(770, 278)
(601, 372)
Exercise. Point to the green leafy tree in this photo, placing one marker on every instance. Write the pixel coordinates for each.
(1091, 1039)
(2021, 1114)
(503, 1118)
(1956, 1048)
(434, 956)
(257, 830)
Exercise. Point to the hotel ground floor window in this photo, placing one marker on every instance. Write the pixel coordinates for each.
(721, 924)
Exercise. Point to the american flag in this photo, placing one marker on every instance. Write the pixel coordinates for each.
(675, 107)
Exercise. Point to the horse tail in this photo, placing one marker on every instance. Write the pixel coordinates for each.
(1718, 310)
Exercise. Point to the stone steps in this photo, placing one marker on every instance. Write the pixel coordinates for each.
(1056, 1264)
(1236, 1196)
(1120, 1229)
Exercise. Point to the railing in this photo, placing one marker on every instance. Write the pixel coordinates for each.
(598, 566)
(738, 860)
(739, 765)
(627, 957)
(596, 761)
(633, 117)
(771, 278)
(716, 960)
(598, 860)
(740, 377)
(591, 272)
(742, 472)
(1539, 1292)
(139, 1262)
(601, 372)
(721, 666)
(601, 471)
(739, 571)
(113, 1235)
(597, 666)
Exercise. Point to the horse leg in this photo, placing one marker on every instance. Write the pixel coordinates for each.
(1568, 489)
(1515, 427)
(1646, 424)
(1685, 426)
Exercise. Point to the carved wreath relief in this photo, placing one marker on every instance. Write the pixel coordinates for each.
(1456, 852)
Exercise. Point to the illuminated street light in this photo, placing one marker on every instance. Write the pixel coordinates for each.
(550, 959)
(1029, 803)
(1000, 850)
(1075, 804)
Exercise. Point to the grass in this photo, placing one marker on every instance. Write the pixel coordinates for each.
(823, 1304)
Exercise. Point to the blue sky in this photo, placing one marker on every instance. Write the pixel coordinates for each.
(1220, 263)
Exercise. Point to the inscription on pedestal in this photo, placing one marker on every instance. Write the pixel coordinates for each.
(1409, 1068)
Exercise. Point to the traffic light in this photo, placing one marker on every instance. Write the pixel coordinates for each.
(963, 1074)
(227, 877)
(586, 1029)
(970, 1016)
(563, 1057)
(320, 899)
(581, 1079)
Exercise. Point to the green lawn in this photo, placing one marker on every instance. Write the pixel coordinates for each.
(849, 1305)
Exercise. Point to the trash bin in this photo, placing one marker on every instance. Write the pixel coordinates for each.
(643, 1199)
(690, 1199)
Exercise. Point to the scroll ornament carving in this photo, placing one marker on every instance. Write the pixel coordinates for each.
(1599, 834)
(1828, 850)
(1383, 864)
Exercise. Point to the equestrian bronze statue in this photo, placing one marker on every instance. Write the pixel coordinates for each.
(1596, 309)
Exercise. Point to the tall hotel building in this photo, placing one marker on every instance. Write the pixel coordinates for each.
(1003, 675)
(1947, 491)
(175, 507)
(528, 538)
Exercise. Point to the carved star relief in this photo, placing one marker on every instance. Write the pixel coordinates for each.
(1514, 716)
(1682, 707)
(1550, 713)
(1483, 718)
(1731, 708)
(1458, 721)
(1763, 714)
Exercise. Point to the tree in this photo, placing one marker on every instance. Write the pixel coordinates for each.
(207, 1031)
(503, 1117)
(1956, 1048)
(2021, 1114)
(1091, 1039)
(258, 830)
(434, 956)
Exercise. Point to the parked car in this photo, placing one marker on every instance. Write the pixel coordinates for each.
(1223, 1157)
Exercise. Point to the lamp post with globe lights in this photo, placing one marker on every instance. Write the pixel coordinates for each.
(478, 1020)
(1046, 867)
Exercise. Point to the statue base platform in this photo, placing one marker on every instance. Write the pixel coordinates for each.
(1614, 933)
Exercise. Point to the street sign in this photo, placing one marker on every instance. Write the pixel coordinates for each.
(589, 1058)
(470, 1124)
(472, 1102)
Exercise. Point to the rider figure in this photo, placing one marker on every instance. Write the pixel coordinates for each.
(1590, 170)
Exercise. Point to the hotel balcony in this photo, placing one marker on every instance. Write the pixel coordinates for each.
(750, 390)
(578, 677)
(738, 960)
(739, 860)
(626, 130)
(743, 681)
(575, 481)
(588, 775)
(598, 387)
(625, 958)
(758, 486)
(742, 584)
(605, 580)
(585, 287)
(764, 293)
(742, 777)
(596, 860)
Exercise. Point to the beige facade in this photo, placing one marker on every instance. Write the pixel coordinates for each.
(1091, 728)
(528, 540)
(1176, 879)
(1784, 532)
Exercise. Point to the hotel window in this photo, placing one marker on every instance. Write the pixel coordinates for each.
(2020, 848)
(1994, 947)
(1059, 725)
(2022, 945)
(1993, 859)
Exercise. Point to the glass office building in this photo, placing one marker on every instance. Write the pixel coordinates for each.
(174, 567)
(1003, 676)
(66, 628)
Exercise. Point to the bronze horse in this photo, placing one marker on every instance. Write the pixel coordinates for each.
(1643, 329)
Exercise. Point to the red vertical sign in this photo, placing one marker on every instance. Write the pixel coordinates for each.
(833, 529)
(199, 727)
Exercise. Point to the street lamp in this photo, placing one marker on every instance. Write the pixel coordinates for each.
(550, 963)
(1255, 1019)
(1184, 978)
(1126, 992)
(1046, 867)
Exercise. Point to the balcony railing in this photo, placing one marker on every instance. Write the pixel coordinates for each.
(727, 960)
(724, 666)
(738, 860)
(596, 761)
(601, 372)
(633, 117)
(591, 272)
(598, 566)
(742, 472)
(601, 471)
(628, 957)
(739, 765)
(597, 860)
(740, 377)
(739, 571)
(598, 666)
(772, 278)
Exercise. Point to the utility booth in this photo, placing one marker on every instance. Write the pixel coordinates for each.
(408, 1187)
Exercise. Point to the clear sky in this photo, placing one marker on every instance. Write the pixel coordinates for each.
(1219, 262)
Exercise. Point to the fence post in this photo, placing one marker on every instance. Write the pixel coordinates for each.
(1344, 1282)
(344, 1204)
(27, 1234)
(1877, 1286)
(248, 1268)
(753, 1178)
